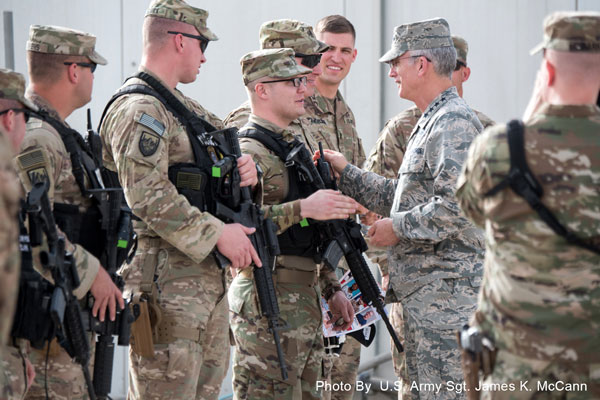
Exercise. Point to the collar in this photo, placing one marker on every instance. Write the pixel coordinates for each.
(321, 104)
(436, 104)
(43, 104)
(270, 126)
(569, 111)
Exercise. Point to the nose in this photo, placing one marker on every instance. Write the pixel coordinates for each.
(302, 87)
(203, 58)
(392, 73)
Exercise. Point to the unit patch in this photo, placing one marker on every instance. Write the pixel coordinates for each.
(37, 175)
(148, 143)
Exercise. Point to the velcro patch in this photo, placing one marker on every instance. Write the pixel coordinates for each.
(37, 175)
(34, 163)
(148, 143)
(151, 123)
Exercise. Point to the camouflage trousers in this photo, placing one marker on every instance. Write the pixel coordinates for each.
(193, 296)
(398, 358)
(430, 318)
(520, 378)
(342, 369)
(256, 373)
(63, 375)
(13, 379)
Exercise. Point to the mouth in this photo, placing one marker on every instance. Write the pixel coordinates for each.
(334, 68)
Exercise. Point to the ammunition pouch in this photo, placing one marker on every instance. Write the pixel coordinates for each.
(478, 355)
(71, 221)
(190, 181)
(302, 241)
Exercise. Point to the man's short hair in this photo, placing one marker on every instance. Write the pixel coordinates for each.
(47, 68)
(442, 58)
(336, 24)
(154, 30)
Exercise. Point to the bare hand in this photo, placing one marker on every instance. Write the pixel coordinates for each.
(327, 204)
(106, 294)
(247, 170)
(382, 233)
(336, 159)
(235, 245)
(30, 371)
(385, 282)
(341, 307)
(369, 218)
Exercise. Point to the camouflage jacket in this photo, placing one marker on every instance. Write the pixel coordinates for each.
(332, 123)
(387, 154)
(276, 188)
(10, 257)
(43, 154)
(435, 240)
(326, 121)
(541, 296)
(141, 139)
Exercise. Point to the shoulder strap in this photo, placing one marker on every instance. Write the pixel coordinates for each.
(522, 181)
(268, 139)
(79, 151)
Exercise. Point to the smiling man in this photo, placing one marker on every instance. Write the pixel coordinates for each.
(436, 254)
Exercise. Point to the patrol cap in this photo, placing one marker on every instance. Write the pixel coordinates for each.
(179, 10)
(292, 34)
(58, 40)
(422, 35)
(462, 48)
(274, 63)
(12, 87)
(571, 31)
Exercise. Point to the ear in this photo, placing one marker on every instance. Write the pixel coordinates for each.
(466, 73)
(178, 42)
(354, 54)
(261, 90)
(73, 73)
(423, 66)
(550, 72)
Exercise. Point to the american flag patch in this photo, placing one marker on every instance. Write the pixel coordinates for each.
(152, 123)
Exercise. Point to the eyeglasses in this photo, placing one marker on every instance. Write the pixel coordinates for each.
(203, 41)
(297, 81)
(26, 112)
(396, 61)
(459, 64)
(91, 66)
(309, 60)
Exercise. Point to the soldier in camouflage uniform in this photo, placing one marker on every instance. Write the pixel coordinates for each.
(177, 240)
(61, 63)
(276, 86)
(385, 160)
(330, 120)
(16, 372)
(436, 256)
(540, 299)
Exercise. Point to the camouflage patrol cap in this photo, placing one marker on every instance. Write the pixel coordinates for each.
(292, 34)
(462, 48)
(12, 87)
(422, 35)
(59, 40)
(274, 63)
(571, 31)
(179, 10)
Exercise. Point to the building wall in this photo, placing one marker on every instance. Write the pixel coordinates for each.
(500, 34)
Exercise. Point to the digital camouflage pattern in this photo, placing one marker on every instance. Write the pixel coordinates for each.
(428, 34)
(12, 87)
(43, 156)
(462, 49)
(256, 368)
(571, 31)
(59, 40)
(274, 63)
(427, 220)
(179, 10)
(292, 34)
(141, 139)
(540, 299)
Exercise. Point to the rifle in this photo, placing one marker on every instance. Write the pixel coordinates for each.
(117, 224)
(343, 238)
(264, 240)
(64, 306)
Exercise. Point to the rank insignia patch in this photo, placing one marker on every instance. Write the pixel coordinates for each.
(148, 143)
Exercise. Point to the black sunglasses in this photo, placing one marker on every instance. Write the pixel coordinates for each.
(91, 66)
(459, 64)
(297, 81)
(309, 60)
(26, 112)
(203, 41)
